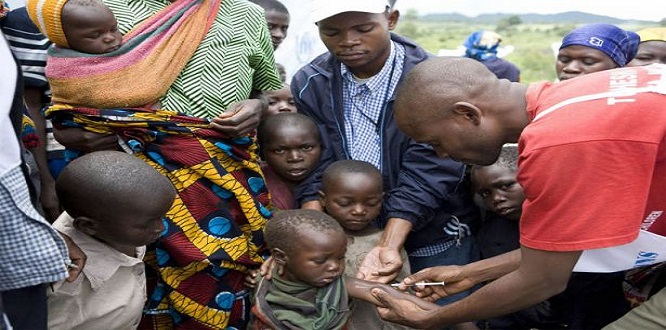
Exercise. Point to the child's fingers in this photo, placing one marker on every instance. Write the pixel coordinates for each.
(250, 279)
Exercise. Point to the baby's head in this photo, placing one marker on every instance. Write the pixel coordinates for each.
(116, 198)
(87, 26)
(290, 144)
(352, 193)
(308, 244)
(496, 184)
(280, 100)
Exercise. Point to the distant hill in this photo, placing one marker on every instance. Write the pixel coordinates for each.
(567, 17)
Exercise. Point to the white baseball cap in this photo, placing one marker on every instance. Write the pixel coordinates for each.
(322, 9)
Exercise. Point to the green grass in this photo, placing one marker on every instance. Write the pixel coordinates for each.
(532, 42)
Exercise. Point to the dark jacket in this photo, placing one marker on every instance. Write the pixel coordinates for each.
(422, 188)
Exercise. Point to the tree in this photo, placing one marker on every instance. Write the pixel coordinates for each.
(507, 24)
(514, 20)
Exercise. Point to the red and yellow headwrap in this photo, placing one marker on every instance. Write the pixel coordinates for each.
(47, 15)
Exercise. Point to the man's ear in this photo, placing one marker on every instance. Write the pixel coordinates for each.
(393, 17)
(86, 225)
(468, 111)
(280, 256)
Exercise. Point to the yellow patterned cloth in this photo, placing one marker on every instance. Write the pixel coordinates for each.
(214, 228)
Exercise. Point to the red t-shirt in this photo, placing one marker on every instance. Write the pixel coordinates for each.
(594, 168)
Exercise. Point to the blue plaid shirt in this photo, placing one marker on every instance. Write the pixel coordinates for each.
(364, 102)
(31, 251)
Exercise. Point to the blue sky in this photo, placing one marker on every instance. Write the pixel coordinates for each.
(648, 10)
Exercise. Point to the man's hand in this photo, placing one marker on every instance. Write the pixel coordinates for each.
(381, 264)
(453, 277)
(77, 257)
(407, 312)
(85, 141)
(240, 118)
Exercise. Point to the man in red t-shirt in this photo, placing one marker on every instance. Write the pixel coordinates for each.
(592, 161)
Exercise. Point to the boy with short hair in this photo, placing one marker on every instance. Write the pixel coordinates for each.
(503, 197)
(277, 18)
(352, 193)
(309, 246)
(290, 146)
(114, 204)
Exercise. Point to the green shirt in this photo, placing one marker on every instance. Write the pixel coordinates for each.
(235, 57)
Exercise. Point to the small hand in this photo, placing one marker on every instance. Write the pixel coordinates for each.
(409, 312)
(381, 264)
(240, 118)
(251, 278)
(77, 257)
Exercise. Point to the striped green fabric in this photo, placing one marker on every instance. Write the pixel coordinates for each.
(235, 57)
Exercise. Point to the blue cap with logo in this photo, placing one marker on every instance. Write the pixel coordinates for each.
(620, 45)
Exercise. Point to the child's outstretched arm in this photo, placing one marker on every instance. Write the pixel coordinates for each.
(360, 289)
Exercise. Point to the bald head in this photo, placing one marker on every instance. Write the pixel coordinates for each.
(341, 169)
(432, 86)
(461, 109)
(105, 181)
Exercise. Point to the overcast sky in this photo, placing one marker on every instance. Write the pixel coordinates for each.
(653, 10)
